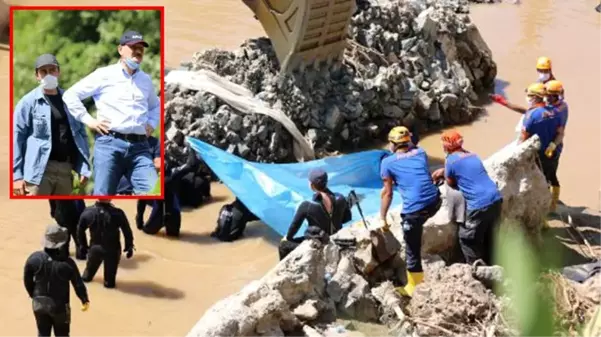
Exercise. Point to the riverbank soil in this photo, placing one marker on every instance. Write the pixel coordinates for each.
(167, 286)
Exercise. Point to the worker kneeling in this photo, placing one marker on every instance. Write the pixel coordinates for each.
(407, 169)
(465, 170)
(325, 214)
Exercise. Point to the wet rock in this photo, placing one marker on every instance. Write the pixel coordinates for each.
(412, 56)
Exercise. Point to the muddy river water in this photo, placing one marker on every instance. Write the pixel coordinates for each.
(165, 288)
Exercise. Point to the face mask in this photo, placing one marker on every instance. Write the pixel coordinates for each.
(49, 82)
(529, 101)
(543, 76)
(131, 64)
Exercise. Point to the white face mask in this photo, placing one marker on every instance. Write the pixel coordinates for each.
(49, 82)
(544, 76)
(529, 101)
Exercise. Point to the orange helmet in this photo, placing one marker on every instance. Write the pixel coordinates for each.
(543, 63)
(399, 135)
(451, 140)
(554, 87)
(536, 89)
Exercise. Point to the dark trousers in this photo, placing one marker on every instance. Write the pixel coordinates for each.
(286, 247)
(549, 167)
(98, 255)
(413, 224)
(163, 216)
(476, 236)
(140, 209)
(60, 323)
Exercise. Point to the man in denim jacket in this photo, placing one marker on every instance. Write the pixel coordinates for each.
(48, 143)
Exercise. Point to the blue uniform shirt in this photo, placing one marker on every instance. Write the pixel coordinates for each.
(544, 122)
(472, 179)
(561, 110)
(125, 187)
(411, 175)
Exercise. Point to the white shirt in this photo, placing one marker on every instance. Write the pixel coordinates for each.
(129, 102)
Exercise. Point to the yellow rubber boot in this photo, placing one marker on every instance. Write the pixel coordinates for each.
(554, 198)
(413, 279)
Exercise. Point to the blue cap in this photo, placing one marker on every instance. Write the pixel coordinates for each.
(319, 178)
(132, 37)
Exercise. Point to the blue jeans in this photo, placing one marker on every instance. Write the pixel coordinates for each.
(114, 158)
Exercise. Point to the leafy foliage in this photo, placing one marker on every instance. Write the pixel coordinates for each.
(82, 41)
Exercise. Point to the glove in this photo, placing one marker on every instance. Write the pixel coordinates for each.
(550, 150)
(498, 99)
(384, 225)
(129, 252)
(85, 306)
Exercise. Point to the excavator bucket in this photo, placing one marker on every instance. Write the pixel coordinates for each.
(305, 32)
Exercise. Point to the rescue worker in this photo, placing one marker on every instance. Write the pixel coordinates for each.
(46, 277)
(545, 74)
(464, 170)
(167, 212)
(105, 221)
(407, 169)
(548, 122)
(325, 213)
(66, 213)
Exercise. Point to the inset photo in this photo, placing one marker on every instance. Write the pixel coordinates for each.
(86, 100)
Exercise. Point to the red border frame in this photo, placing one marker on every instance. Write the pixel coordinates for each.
(162, 98)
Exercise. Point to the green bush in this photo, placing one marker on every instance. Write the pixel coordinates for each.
(82, 41)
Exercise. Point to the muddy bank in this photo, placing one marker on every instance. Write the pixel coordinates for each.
(419, 63)
(318, 282)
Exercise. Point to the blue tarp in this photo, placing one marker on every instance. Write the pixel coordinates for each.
(274, 191)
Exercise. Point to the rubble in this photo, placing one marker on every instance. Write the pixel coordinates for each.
(409, 61)
(315, 284)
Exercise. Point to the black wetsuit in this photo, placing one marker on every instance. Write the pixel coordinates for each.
(194, 184)
(47, 274)
(320, 224)
(105, 222)
(67, 213)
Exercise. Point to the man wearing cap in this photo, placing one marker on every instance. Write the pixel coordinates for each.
(48, 143)
(407, 169)
(325, 213)
(128, 111)
(46, 277)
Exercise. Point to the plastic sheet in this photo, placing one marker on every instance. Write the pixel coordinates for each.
(274, 191)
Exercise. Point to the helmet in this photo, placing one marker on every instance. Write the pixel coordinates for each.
(554, 87)
(451, 140)
(536, 89)
(399, 135)
(543, 63)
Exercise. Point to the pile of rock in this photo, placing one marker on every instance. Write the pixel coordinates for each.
(409, 61)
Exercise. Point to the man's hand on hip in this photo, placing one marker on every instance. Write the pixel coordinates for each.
(101, 127)
(83, 180)
(149, 130)
(19, 187)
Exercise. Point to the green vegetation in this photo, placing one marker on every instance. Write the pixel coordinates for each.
(536, 307)
(82, 41)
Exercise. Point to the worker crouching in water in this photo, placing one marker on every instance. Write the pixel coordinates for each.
(548, 122)
(66, 213)
(325, 214)
(464, 170)
(46, 277)
(166, 213)
(105, 222)
(407, 169)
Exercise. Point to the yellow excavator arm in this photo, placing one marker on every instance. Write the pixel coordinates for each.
(305, 32)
